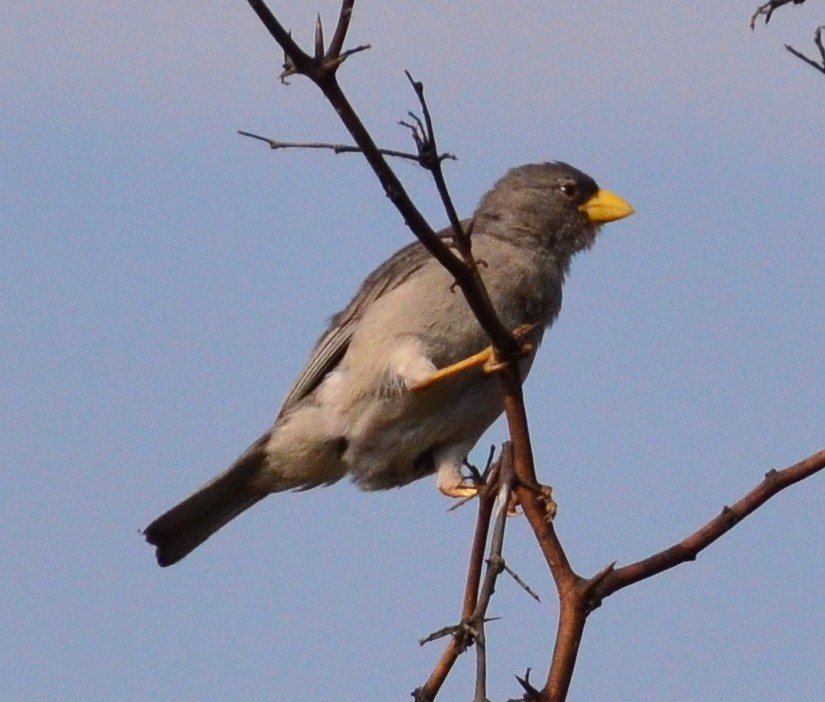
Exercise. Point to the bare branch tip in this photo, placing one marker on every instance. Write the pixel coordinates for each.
(258, 137)
(440, 633)
(343, 56)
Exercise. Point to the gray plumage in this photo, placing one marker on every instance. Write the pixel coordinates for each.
(352, 410)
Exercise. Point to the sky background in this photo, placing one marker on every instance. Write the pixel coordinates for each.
(162, 280)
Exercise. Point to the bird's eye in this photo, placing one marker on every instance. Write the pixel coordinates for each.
(569, 189)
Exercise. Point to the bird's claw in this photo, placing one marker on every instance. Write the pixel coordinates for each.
(550, 506)
(463, 490)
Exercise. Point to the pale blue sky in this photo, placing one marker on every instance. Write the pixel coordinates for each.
(163, 280)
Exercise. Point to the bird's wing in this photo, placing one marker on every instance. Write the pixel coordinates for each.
(332, 346)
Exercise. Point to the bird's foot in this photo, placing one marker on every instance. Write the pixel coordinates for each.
(545, 495)
(462, 491)
(469, 487)
(550, 506)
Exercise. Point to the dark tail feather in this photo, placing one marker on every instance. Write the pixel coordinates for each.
(187, 525)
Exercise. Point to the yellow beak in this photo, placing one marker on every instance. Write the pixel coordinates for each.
(604, 207)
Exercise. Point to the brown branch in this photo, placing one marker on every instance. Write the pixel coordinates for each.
(539, 509)
(775, 481)
(296, 58)
(496, 490)
(424, 136)
(582, 596)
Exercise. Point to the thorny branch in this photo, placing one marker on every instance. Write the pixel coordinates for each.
(687, 550)
(461, 636)
(495, 565)
(578, 596)
(321, 69)
(496, 489)
(585, 595)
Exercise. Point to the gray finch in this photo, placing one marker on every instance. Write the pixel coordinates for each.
(366, 405)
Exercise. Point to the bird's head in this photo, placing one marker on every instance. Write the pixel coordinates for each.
(550, 207)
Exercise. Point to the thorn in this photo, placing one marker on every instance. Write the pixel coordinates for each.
(336, 61)
(602, 574)
(593, 600)
(531, 693)
(319, 38)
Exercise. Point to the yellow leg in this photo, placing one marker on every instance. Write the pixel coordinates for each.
(485, 358)
(482, 358)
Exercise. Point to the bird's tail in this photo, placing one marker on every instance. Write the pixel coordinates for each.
(187, 525)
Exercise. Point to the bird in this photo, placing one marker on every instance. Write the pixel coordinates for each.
(398, 386)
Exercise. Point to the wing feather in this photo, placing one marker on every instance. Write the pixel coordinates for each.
(333, 344)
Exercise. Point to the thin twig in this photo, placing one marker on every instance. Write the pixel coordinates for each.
(425, 141)
(819, 45)
(520, 582)
(337, 148)
(429, 158)
(768, 9)
(450, 630)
